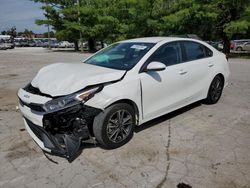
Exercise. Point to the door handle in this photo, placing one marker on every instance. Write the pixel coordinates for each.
(210, 64)
(182, 72)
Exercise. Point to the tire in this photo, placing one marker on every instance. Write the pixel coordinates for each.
(239, 49)
(109, 131)
(215, 90)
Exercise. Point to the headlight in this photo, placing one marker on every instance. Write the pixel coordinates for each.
(86, 95)
(71, 100)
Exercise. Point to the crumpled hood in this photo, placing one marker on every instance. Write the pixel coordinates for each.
(66, 78)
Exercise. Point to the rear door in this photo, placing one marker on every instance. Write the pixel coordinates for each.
(199, 66)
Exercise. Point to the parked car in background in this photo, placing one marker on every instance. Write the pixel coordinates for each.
(31, 43)
(35, 42)
(98, 45)
(122, 86)
(38, 43)
(17, 43)
(54, 44)
(3, 46)
(65, 44)
(7, 41)
(245, 47)
(215, 44)
(236, 45)
(44, 42)
(220, 46)
(10, 45)
(21, 42)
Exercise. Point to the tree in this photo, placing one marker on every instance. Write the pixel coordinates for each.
(12, 32)
(112, 20)
(3, 32)
(52, 34)
(103, 20)
(232, 18)
(28, 33)
(53, 12)
(210, 19)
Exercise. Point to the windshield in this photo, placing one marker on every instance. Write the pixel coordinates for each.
(122, 56)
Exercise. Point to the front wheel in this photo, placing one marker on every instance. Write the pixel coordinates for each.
(215, 90)
(114, 126)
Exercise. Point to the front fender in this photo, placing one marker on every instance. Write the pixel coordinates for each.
(122, 90)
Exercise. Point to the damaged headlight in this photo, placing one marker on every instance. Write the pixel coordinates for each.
(71, 100)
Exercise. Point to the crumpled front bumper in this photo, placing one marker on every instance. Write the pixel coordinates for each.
(59, 133)
(63, 145)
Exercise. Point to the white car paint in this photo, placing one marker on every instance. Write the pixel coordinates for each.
(173, 92)
(154, 66)
(36, 139)
(66, 78)
(152, 93)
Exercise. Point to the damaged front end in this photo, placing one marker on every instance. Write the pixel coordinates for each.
(63, 131)
(66, 122)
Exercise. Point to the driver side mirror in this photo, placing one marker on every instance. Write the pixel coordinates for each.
(155, 66)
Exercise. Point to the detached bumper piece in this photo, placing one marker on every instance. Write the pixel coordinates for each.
(63, 145)
(63, 131)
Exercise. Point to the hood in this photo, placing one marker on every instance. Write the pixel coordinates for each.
(66, 78)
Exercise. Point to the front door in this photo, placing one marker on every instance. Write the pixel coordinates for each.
(162, 90)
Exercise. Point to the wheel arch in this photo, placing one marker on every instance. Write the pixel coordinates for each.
(222, 76)
(239, 48)
(130, 102)
(210, 81)
(208, 100)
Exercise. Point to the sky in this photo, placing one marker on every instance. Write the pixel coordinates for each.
(22, 14)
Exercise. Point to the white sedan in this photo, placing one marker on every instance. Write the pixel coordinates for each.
(120, 87)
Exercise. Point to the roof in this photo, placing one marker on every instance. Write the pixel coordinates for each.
(159, 39)
(149, 39)
(190, 36)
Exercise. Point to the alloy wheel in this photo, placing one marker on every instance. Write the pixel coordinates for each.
(216, 89)
(119, 126)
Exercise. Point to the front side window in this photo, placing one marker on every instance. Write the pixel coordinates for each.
(194, 51)
(169, 54)
(121, 56)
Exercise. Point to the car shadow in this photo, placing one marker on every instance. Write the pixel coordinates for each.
(155, 75)
(166, 117)
(144, 126)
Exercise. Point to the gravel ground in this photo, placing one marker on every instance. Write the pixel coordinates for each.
(202, 146)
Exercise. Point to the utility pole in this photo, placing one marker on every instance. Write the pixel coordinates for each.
(79, 22)
(49, 38)
(49, 45)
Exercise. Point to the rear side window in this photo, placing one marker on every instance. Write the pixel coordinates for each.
(194, 51)
(169, 54)
(209, 53)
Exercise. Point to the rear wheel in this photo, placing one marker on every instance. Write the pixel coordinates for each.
(215, 90)
(114, 127)
(239, 49)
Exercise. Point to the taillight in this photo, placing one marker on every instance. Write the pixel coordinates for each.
(232, 45)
